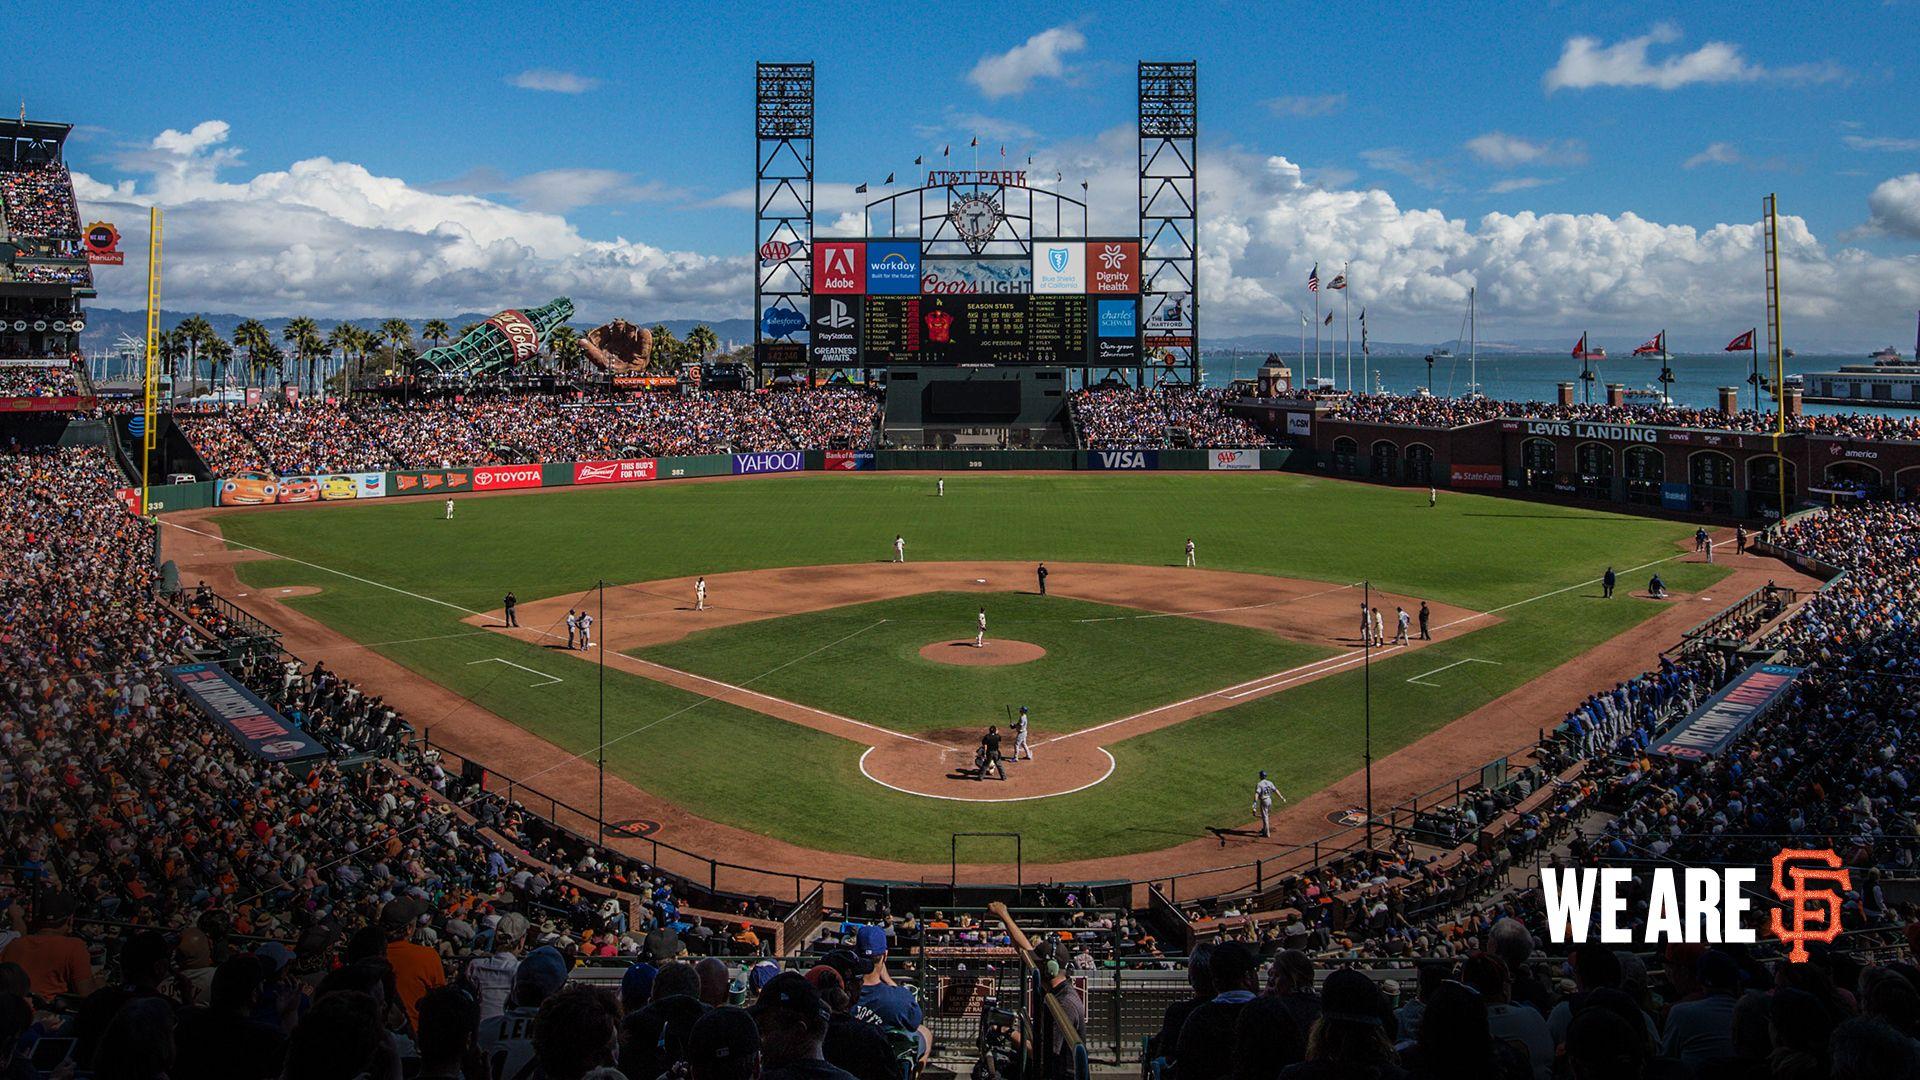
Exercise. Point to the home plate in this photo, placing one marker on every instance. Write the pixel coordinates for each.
(979, 581)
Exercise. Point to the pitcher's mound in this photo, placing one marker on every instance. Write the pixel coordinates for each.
(997, 651)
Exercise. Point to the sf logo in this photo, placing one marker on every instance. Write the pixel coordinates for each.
(1814, 913)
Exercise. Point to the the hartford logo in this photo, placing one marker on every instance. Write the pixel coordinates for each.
(1699, 905)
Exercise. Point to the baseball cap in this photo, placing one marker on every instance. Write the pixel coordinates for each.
(275, 956)
(790, 991)
(401, 911)
(761, 974)
(544, 970)
(1349, 995)
(637, 983)
(725, 1034)
(850, 966)
(511, 927)
(871, 941)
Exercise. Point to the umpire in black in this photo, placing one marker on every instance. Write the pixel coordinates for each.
(1041, 575)
(990, 754)
(511, 603)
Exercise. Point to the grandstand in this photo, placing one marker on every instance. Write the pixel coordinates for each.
(44, 274)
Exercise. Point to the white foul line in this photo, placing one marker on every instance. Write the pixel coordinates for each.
(551, 679)
(1216, 611)
(317, 566)
(962, 798)
(1455, 664)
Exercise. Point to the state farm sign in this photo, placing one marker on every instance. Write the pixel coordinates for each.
(615, 472)
(505, 477)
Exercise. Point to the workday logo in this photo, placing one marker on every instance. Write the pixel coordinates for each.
(1699, 905)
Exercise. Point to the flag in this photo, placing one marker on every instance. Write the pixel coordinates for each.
(1313, 279)
(946, 150)
(1364, 350)
(1655, 347)
(1083, 185)
(1339, 282)
(861, 190)
(1580, 350)
(1328, 321)
(916, 160)
(975, 142)
(1743, 342)
(1003, 149)
(889, 178)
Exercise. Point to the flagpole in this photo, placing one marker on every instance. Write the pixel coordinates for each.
(1316, 337)
(1346, 300)
(1753, 341)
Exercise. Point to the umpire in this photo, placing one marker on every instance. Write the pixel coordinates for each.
(1041, 575)
(990, 754)
(511, 603)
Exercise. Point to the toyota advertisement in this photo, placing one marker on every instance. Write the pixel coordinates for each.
(505, 477)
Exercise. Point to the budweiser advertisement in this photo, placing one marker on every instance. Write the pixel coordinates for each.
(615, 472)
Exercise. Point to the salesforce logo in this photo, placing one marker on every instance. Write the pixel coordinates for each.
(784, 461)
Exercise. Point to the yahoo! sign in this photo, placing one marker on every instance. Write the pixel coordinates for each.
(766, 462)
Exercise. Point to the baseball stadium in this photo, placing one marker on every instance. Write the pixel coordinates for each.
(955, 659)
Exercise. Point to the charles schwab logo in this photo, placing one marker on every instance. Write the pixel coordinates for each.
(783, 461)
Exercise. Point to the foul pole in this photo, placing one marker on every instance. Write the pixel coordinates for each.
(1770, 211)
(148, 441)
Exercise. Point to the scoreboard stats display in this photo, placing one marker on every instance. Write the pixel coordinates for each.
(1075, 303)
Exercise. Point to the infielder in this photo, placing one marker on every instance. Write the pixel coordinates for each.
(980, 634)
(586, 630)
(573, 627)
(1366, 626)
(1020, 736)
(1264, 793)
(899, 548)
(700, 594)
(1401, 617)
(1190, 559)
(449, 516)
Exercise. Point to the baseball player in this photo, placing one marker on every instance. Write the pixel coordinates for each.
(586, 630)
(980, 634)
(1264, 793)
(1379, 628)
(1020, 736)
(1433, 497)
(573, 627)
(512, 604)
(449, 516)
(1190, 559)
(1400, 616)
(700, 593)
(1366, 626)
(1040, 574)
(940, 487)
(899, 548)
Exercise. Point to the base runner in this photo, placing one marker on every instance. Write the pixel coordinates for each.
(1264, 793)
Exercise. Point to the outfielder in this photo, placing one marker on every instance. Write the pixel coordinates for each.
(1264, 793)
(1190, 559)
(1020, 736)
(899, 549)
(980, 634)
(449, 516)
(940, 486)
(700, 594)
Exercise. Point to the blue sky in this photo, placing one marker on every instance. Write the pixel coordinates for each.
(1596, 162)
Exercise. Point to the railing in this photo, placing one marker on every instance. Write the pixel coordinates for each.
(1736, 622)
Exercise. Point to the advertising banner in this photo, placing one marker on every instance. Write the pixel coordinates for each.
(1113, 266)
(331, 487)
(849, 460)
(1123, 459)
(47, 404)
(839, 267)
(615, 472)
(248, 489)
(505, 477)
(1233, 460)
(1476, 476)
(1708, 730)
(1117, 331)
(262, 732)
(1674, 497)
(893, 267)
(645, 382)
(428, 481)
(978, 274)
(835, 341)
(1060, 267)
(769, 462)
(1300, 423)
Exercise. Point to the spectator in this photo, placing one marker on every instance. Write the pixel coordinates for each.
(138, 1043)
(449, 1036)
(1519, 1026)
(793, 1030)
(1200, 979)
(854, 1044)
(507, 1041)
(724, 1045)
(416, 968)
(1702, 1029)
(653, 1037)
(577, 1034)
(55, 960)
(221, 1040)
(1353, 1037)
(143, 967)
(491, 976)
(1206, 1047)
(896, 1006)
(341, 1038)
(1456, 1041)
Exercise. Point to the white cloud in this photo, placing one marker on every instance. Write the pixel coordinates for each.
(1426, 172)
(560, 190)
(1895, 206)
(552, 81)
(1520, 183)
(1880, 142)
(1506, 151)
(326, 237)
(1587, 62)
(1719, 153)
(1042, 56)
(1307, 104)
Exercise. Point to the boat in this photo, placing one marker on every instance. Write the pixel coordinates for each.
(1598, 352)
(1647, 395)
(1473, 346)
(1886, 379)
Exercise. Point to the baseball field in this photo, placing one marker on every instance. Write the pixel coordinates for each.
(821, 701)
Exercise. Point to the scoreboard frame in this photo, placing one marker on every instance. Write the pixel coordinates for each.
(885, 301)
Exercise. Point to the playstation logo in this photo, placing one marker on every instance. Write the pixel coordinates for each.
(836, 317)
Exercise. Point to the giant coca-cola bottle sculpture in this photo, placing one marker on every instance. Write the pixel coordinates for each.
(507, 340)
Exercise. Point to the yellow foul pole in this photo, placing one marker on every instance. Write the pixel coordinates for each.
(148, 437)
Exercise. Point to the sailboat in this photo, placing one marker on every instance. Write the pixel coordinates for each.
(1473, 346)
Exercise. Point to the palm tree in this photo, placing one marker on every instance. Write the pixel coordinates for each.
(341, 341)
(173, 347)
(218, 354)
(666, 348)
(196, 332)
(436, 332)
(303, 335)
(268, 358)
(564, 346)
(702, 342)
(252, 338)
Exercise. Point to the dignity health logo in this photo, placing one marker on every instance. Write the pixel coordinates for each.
(1700, 905)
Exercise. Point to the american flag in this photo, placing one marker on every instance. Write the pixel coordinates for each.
(1313, 279)
(1339, 282)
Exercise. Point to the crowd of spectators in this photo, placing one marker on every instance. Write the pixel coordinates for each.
(38, 200)
(384, 433)
(1448, 412)
(1120, 418)
(16, 381)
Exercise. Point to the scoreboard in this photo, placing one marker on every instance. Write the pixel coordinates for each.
(1076, 305)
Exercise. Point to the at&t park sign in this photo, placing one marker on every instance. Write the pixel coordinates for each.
(964, 177)
(1583, 430)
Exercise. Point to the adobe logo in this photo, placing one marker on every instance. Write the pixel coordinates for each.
(840, 267)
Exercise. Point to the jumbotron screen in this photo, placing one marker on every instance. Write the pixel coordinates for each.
(881, 303)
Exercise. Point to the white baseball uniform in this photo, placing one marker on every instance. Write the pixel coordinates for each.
(449, 516)
(899, 549)
(573, 628)
(1190, 559)
(1020, 738)
(940, 486)
(980, 636)
(700, 595)
(586, 630)
(1263, 796)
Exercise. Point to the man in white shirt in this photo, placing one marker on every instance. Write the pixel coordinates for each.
(491, 976)
(1264, 793)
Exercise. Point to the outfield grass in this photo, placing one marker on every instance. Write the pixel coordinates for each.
(800, 785)
(864, 660)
